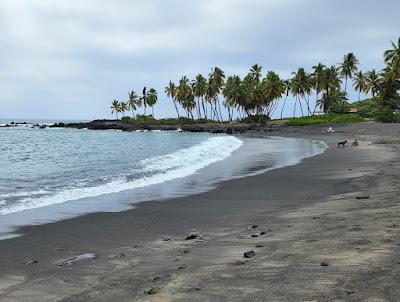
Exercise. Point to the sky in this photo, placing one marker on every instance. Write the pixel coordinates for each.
(68, 59)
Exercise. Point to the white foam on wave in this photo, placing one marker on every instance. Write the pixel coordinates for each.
(179, 164)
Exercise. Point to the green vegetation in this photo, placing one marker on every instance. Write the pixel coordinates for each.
(254, 98)
(329, 118)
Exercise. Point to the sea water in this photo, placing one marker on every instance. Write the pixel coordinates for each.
(53, 173)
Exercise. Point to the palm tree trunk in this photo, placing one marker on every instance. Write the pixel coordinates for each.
(283, 105)
(316, 102)
(152, 111)
(176, 108)
(204, 108)
(294, 110)
(301, 108)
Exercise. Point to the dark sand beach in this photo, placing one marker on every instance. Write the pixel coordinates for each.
(326, 229)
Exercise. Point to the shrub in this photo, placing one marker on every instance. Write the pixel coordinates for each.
(386, 115)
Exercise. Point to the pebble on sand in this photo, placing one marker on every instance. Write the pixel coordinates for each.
(249, 254)
(192, 236)
(323, 263)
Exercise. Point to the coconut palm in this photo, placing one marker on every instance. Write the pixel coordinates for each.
(287, 92)
(217, 77)
(316, 81)
(348, 67)
(133, 102)
(392, 54)
(185, 96)
(255, 72)
(301, 88)
(274, 87)
(359, 83)
(115, 108)
(123, 107)
(152, 99)
(327, 101)
(372, 82)
(233, 93)
(200, 90)
(144, 99)
(171, 91)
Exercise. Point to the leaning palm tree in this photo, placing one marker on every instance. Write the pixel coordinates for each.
(392, 54)
(115, 108)
(133, 102)
(152, 99)
(287, 92)
(348, 67)
(359, 83)
(171, 91)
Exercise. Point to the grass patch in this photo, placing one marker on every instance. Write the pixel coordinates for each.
(329, 118)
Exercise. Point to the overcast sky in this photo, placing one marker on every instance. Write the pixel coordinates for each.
(68, 59)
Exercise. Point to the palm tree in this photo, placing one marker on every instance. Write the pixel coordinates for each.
(348, 67)
(217, 77)
(185, 96)
(301, 87)
(392, 54)
(200, 90)
(328, 100)
(171, 91)
(123, 107)
(133, 102)
(316, 81)
(273, 88)
(287, 92)
(372, 82)
(255, 72)
(152, 99)
(115, 108)
(360, 83)
(233, 93)
(144, 99)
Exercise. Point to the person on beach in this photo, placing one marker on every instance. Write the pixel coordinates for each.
(354, 143)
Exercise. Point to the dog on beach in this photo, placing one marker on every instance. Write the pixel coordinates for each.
(341, 144)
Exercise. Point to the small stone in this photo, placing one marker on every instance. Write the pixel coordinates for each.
(153, 291)
(156, 278)
(186, 251)
(192, 236)
(362, 242)
(259, 245)
(30, 261)
(254, 226)
(181, 267)
(249, 254)
(263, 233)
(254, 235)
(323, 263)
(166, 239)
(362, 197)
(316, 217)
(356, 229)
(349, 292)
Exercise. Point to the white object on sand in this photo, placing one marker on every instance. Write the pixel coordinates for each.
(330, 130)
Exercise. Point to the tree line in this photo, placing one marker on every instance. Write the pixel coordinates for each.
(257, 95)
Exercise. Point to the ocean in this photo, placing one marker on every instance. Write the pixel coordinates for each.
(54, 173)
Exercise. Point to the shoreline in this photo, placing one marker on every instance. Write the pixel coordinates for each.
(289, 204)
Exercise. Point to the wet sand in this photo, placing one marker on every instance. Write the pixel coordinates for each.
(327, 229)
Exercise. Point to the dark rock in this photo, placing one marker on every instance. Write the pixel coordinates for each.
(254, 235)
(166, 239)
(254, 226)
(229, 131)
(263, 233)
(349, 292)
(249, 254)
(181, 267)
(259, 245)
(30, 261)
(153, 291)
(362, 197)
(186, 251)
(156, 278)
(362, 242)
(316, 217)
(192, 236)
(356, 229)
(323, 263)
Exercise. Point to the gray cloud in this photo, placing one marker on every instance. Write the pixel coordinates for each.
(69, 59)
